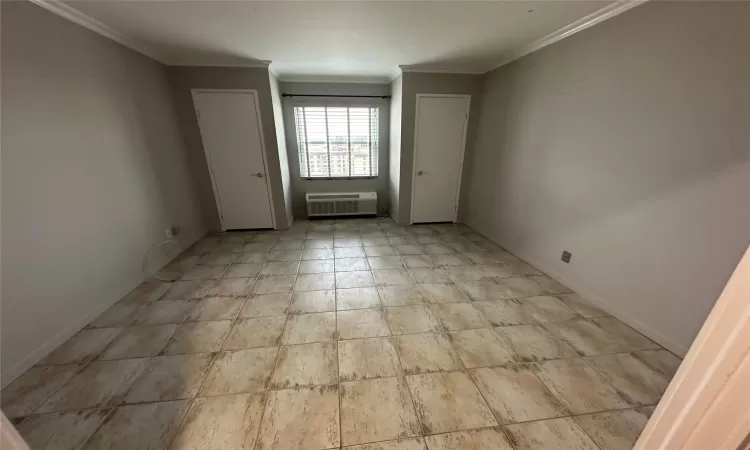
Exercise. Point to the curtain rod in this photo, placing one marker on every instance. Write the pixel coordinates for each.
(343, 96)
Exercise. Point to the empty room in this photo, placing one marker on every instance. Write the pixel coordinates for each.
(374, 225)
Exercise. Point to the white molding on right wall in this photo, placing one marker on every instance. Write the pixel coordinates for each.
(613, 9)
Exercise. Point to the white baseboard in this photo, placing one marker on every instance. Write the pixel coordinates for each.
(586, 294)
(11, 373)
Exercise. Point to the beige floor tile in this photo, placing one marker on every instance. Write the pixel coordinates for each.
(349, 252)
(376, 410)
(451, 260)
(392, 277)
(558, 434)
(285, 255)
(248, 270)
(367, 358)
(119, 315)
(313, 301)
(255, 332)
(549, 286)
(614, 430)
(351, 264)
(483, 290)
(443, 293)
(263, 305)
(280, 268)
(140, 341)
(146, 293)
(400, 444)
(240, 371)
(84, 346)
(403, 240)
(481, 348)
(580, 388)
(632, 376)
(400, 295)
(437, 249)
(187, 290)
(375, 241)
(198, 337)
(203, 273)
(274, 284)
(448, 401)
(427, 275)
(165, 311)
(232, 287)
(170, 378)
(357, 298)
(309, 328)
(136, 427)
(314, 282)
(101, 384)
(319, 243)
(502, 313)
(345, 242)
(661, 361)
(519, 287)
(301, 418)
(305, 365)
(224, 422)
(535, 343)
(459, 316)
(515, 394)
(251, 257)
(625, 335)
(384, 262)
(384, 250)
(411, 320)
(581, 306)
(589, 339)
(361, 323)
(294, 244)
(315, 254)
(27, 393)
(423, 353)
(320, 266)
(484, 439)
(346, 280)
(546, 309)
(65, 431)
(417, 261)
(410, 249)
(216, 308)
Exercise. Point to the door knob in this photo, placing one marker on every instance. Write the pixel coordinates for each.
(420, 172)
(259, 174)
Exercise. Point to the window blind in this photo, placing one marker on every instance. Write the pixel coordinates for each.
(337, 142)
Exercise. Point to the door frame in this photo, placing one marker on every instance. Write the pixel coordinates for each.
(414, 151)
(254, 92)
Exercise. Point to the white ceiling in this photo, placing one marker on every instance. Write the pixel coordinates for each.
(360, 39)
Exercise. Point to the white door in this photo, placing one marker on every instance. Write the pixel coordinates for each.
(439, 139)
(233, 143)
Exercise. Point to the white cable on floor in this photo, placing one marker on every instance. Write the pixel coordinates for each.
(173, 276)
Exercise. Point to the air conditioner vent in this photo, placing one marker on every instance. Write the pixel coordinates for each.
(341, 204)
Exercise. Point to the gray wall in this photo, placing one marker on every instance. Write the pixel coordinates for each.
(394, 160)
(278, 119)
(182, 79)
(628, 145)
(93, 172)
(431, 83)
(301, 186)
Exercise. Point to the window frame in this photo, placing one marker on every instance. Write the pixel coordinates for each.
(332, 102)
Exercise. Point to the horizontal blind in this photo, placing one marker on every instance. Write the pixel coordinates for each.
(337, 142)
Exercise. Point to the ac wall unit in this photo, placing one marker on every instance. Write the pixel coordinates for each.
(341, 204)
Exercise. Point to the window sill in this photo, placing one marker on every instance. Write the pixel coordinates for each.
(338, 178)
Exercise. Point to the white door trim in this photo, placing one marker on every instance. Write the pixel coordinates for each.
(254, 92)
(414, 151)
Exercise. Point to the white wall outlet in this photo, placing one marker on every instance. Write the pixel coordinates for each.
(172, 231)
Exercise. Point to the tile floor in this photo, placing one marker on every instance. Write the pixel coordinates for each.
(356, 334)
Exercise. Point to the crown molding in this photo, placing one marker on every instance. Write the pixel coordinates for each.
(613, 9)
(364, 79)
(75, 16)
(248, 65)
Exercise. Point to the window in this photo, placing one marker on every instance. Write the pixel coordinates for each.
(337, 142)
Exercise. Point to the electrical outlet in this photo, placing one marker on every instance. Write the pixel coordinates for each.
(172, 231)
(566, 256)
